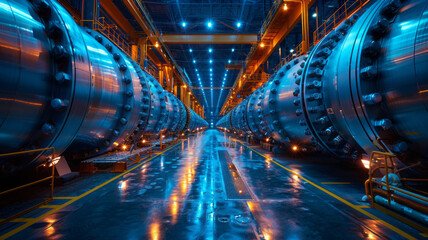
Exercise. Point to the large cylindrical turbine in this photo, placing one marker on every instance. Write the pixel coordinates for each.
(363, 87)
(70, 88)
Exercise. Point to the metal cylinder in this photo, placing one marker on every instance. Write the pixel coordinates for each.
(362, 88)
(71, 88)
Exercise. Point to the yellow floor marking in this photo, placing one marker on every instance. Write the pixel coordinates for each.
(362, 206)
(424, 234)
(73, 199)
(64, 197)
(359, 209)
(335, 182)
(50, 206)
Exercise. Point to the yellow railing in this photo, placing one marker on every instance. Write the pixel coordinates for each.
(342, 13)
(388, 166)
(297, 52)
(110, 31)
(53, 160)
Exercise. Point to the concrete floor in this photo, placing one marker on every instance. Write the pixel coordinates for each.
(211, 188)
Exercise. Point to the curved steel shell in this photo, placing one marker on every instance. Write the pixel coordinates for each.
(362, 88)
(70, 88)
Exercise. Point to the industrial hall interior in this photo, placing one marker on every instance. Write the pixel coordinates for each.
(213, 119)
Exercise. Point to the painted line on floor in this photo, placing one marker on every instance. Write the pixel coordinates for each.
(73, 199)
(50, 206)
(335, 183)
(64, 197)
(356, 207)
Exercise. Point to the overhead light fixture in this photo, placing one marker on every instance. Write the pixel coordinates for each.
(194, 61)
(211, 69)
(210, 49)
(291, 50)
(314, 15)
(156, 44)
(238, 24)
(233, 49)
(183, 24)
(190, 50)
(211, 61)
(262, 45)
(229, 61)
(209, 24)
(285, 7)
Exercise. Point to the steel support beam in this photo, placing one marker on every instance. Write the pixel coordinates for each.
(118, 17)
(305, 25)
(210, 38)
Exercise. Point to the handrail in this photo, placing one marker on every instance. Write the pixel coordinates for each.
(342, 13)
(52, 162)
(296, 52)
(369, 184)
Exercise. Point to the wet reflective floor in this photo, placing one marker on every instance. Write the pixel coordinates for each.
(209, 187)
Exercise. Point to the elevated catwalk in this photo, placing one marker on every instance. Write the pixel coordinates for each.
(210, 187)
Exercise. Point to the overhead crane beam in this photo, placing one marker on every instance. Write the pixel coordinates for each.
(144, 20)
(201, 88)
(210, 38)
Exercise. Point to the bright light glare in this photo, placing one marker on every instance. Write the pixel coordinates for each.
(366, 163)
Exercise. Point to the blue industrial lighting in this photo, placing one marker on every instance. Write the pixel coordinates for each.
(211, 69)
(190, 50)
(233, 49)
(194, 61)
(209, 24)
(183, 24)
(291, 50)
(210, 50)
(229, 61)
(238, 24)
(211, 74)
(196, 69)
(314, 15)
(211, 61)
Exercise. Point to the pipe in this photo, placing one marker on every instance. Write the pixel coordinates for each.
(348, 92)
(409, 212)
(70, 88)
